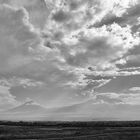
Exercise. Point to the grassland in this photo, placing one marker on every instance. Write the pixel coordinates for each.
(70, 130)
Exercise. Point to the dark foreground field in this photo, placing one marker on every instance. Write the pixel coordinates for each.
(70, 130)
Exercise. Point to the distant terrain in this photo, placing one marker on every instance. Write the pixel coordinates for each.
(95, 130)
(84, 111)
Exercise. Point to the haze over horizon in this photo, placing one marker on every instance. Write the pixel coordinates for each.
(70, 59)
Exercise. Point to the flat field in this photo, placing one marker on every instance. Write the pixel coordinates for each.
(104, 130)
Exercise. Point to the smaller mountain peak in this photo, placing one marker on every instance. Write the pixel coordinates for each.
(29, 101)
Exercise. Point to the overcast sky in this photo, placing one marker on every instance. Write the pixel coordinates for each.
(61, 52)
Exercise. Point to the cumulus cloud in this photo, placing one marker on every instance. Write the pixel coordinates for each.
(23, 60)
(20, 49)
(7, 100)
(55, 48)
(15, 81)
(101, 49)
(16, 37)
(117, 98)
(110, 98)
(38, 10)
(129, 16)
(135, 89)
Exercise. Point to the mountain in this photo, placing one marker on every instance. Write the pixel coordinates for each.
(27, 111)
(28, 107)
(99, 111)
(85, 111)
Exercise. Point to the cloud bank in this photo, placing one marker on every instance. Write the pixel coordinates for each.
(61, 52)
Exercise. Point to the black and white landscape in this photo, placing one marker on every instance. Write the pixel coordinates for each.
(69, 60)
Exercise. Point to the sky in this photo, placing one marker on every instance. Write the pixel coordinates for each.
(61, 52)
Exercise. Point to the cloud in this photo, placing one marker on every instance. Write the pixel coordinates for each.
(120, 84)
(16, 38)
(128, 98)
(29, 101)
(86, 84)
(95, 51)
(110, 98)
(61, 16)
(130, 19)
(99, 47)
(129, 16)
(133, 99)
(23, 61)
(73, 15)
(38, 10)
(135, 89)
(131, 60)
(7, 100)
(15, 81)
(48, 51)
(74, 5)
(21, 52)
